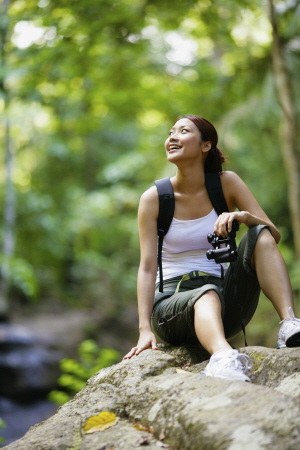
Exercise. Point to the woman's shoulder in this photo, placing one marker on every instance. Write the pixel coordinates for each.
(233, 187)
(229, 175)
(230, 179)
(150, 195)
(149, 201)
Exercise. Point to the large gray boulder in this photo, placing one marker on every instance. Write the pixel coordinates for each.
(162, 401)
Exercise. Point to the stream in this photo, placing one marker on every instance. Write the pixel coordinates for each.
(31, 348)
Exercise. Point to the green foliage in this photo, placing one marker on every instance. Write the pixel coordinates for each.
(91, 99)
(76, 373)
(21, 275)
(2, 425)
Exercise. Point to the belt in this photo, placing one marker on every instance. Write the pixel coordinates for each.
(194, 275)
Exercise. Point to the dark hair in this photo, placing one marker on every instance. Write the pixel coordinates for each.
(215, 157)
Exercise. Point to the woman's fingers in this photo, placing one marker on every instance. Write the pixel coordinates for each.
(220, 225)
(151, 344)
(139, 348)
(131, 353)
(154, 345)
(223, 225)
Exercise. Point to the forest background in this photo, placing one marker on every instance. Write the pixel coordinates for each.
(89, 90)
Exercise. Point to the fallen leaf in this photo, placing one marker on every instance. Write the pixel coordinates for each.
(100, 422)
(140, 427)
(162, 435)
(182, 371)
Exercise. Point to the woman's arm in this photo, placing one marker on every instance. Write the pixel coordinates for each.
(238, 196)
(147, 222)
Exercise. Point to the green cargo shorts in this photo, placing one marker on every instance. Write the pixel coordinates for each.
(173, 313)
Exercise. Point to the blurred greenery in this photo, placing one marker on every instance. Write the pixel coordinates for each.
(2, 425)
(91, 89)
(76, 373)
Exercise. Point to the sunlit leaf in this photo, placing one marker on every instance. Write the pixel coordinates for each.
(100, 422)
(182, 371)
(140, 427)
(147, 428)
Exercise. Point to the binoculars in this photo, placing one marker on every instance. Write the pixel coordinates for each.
(224, 247)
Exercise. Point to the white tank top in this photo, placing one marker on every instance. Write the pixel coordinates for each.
(185, 245)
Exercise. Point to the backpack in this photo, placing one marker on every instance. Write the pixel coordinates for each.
(167, 207)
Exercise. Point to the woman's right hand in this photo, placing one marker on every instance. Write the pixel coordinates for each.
(147, 340)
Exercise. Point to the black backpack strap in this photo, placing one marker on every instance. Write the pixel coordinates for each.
(167, 207)
(165, 217)
(215, 192)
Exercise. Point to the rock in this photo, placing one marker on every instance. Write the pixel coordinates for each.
(272, 366)
(290, 385)
(177, 408)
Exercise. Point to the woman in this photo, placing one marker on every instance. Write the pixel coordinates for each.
(208, 309)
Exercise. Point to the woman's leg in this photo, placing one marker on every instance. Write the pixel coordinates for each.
(241, 288)
(196, 315)
(173, 318)
(225, 362)
(272, 274)
(259, 266)
(208, 323)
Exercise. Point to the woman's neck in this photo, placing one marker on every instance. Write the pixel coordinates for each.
(189, 180)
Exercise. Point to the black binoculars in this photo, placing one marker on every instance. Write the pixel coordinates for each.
(224, 247)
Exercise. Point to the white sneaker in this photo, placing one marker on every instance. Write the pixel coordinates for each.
(289, 333)
(228, 364)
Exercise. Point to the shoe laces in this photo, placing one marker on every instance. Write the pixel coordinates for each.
(289, 320)
(240, 361)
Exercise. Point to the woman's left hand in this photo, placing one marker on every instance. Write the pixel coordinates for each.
(224, 223)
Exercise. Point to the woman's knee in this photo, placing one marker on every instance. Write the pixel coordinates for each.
(210, 297)
(265, 241)
(265, 237)
(265, 244)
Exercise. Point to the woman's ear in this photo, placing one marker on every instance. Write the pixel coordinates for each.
(206, 146)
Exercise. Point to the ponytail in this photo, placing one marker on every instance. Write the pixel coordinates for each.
(214, 160)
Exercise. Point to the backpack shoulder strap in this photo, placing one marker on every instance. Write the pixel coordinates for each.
(167, 207)
(165, 217)
(215, 192)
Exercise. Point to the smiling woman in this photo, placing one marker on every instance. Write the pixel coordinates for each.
(196, 302)
(205, 133)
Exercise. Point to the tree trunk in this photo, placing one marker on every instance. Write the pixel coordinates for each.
(9, 194)
(288, 128)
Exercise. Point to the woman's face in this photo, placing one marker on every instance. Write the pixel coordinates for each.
(184, 141)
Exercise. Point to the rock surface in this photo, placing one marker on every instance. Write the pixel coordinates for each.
(161, 401)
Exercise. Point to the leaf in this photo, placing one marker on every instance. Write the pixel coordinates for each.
(162, 435)
(100, 422)
(147, 428)
(140, 427)
(182, 371)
